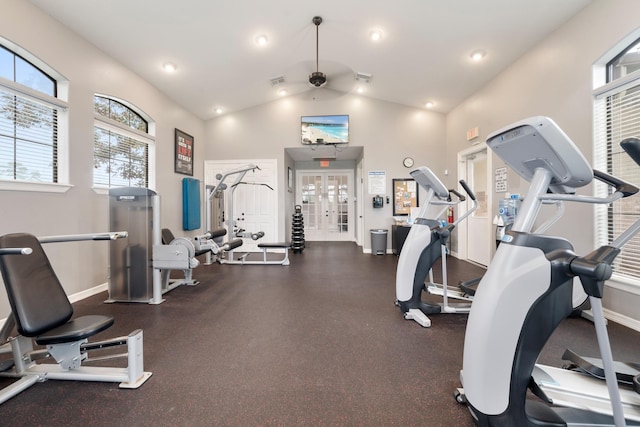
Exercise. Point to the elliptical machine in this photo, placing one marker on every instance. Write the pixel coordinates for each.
(425, 244)
(527, 290)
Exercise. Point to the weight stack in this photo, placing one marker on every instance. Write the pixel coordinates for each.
(297, 231)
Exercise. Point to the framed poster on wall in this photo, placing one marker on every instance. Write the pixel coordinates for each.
(405, 196)
(184, 153)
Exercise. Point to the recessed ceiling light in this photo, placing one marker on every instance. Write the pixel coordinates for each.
(360, 89)
(429, 104)
(219, 110)
(478, 55)
(282, 92)
(169, 67)
(375, 35)
(262, 40)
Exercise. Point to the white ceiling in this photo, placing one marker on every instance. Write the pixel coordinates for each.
(424, 53)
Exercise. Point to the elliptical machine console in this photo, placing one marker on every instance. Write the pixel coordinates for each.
(527, 289)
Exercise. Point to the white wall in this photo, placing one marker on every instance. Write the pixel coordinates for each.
(554, 79)
(83, 265)
(388, 132)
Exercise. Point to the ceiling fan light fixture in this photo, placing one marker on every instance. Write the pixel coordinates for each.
(317, 78)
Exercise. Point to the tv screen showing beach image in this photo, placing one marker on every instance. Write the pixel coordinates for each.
(325, 129)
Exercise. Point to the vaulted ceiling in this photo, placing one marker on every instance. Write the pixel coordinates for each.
(423, 54)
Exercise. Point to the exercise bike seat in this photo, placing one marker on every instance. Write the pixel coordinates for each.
(38, 301)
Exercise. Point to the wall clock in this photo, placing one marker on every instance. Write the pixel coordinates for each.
(407, 162)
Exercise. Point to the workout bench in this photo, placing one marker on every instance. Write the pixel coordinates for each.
(41, 312)
(267, 246)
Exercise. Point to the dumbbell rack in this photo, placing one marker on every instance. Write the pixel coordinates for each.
(297, 230)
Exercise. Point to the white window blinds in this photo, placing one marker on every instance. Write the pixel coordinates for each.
(28, 138)
(616, 117)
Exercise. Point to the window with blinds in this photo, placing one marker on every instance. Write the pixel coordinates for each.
(616, 117)
(120, 145)
(29, 115)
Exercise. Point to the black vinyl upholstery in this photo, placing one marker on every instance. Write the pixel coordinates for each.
(38, 300)
(167, 236)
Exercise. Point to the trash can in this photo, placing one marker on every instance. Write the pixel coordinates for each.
(379, 241)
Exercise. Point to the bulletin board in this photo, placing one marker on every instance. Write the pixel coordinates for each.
(405, 196)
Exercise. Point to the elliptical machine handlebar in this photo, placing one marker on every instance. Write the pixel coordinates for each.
(632, 147)
(468, 190)
(621, 186)
(474, 203)
(460, 197)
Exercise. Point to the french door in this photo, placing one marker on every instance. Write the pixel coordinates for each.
(326, 198)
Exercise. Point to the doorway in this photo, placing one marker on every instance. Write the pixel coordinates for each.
(326, 199)
(475, 234)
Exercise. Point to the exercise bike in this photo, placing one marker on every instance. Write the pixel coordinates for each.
(425, 244)
(528, 287)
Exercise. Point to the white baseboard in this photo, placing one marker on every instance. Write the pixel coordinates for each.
(77, 296)
(87, 293)
(622, 319)
(368, 251)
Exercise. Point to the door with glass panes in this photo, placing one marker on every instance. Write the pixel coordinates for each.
(327, 204)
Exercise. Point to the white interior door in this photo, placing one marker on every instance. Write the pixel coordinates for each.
(326, 198)
(253, 207)
(479, 223)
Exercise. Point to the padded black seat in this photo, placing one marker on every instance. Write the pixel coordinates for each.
(38, 301)
(168, 237)
(274, 245)
(75, 330)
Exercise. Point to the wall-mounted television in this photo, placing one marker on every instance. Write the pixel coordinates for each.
(320, 130)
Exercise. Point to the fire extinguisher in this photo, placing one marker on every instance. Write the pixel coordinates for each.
(450, 214)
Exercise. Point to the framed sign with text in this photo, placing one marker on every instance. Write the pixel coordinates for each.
(184, 153)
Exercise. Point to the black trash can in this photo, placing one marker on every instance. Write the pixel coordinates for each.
(379, 241)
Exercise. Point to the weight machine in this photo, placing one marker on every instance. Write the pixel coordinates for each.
(233, 229)
(42, 313)
(140, 267)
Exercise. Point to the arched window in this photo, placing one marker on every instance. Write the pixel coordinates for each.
(29, 121)
(616, 117)
(122, 145)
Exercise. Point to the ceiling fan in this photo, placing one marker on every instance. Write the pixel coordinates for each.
(317, 78)
(335, 80)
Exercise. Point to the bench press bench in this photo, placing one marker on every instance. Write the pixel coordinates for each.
(282, 245)
(242, 259)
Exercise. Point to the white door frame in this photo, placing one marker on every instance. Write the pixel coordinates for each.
(462, 174)
(359, 203)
